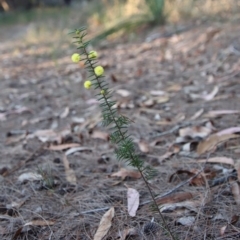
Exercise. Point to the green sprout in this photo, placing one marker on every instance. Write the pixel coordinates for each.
(118, 123)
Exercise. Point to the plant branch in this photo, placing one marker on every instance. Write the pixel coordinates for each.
(126, 149)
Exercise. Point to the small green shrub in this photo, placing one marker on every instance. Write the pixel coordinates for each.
(118, 123)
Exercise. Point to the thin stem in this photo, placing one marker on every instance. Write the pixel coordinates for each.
(158, 210)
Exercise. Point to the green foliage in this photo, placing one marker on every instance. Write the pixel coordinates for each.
(118, 123)
(126, 25)
(153, 14)
(156, 8)
(48, 179)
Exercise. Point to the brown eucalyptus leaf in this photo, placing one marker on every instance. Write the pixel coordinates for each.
(224, 160)
(62, 146)
(175, 197)
(127, 233)
(123, 173)
(47, 135)
(162, 99)
(40, 222)
(143, 146)
(174, 88)
(100, 135)
(212, 141)
(105, 224)
(69, 173)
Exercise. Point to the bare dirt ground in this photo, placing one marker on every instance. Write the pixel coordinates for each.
(58, 172)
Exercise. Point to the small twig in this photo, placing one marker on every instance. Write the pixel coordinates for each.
(95, 210)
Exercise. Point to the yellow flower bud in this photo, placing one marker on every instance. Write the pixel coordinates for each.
(102, 92)
(77, 32)
(99, 71)
(87, 84)
(76, 57)
(92, 55)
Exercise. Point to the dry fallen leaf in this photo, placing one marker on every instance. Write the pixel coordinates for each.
(195, 131)
(124, 104)
(234, 219)
(15, 139)
(40, 223)
(162, 99)
(30, 176)
(100, 135)
(62, 146)
(147, 103)
(210, 33)
(123, 92)
(77, 149)
(212, 94)
(132, 201)
(36, 120)
(65, 113)
(224, 160)
(231, 130)
(70, 174)
(123, 173)
(186, 221)
(143, 146)
(181, 208)
(172, 150)
(216, 113)
(212, 141)
(236, 192)
(104, 225)
(47, 135)
(174, 88)
(198, 180)
(175, 197)
(237, 167)
(165, 156)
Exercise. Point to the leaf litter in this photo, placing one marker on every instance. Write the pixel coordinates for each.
(184, 111)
